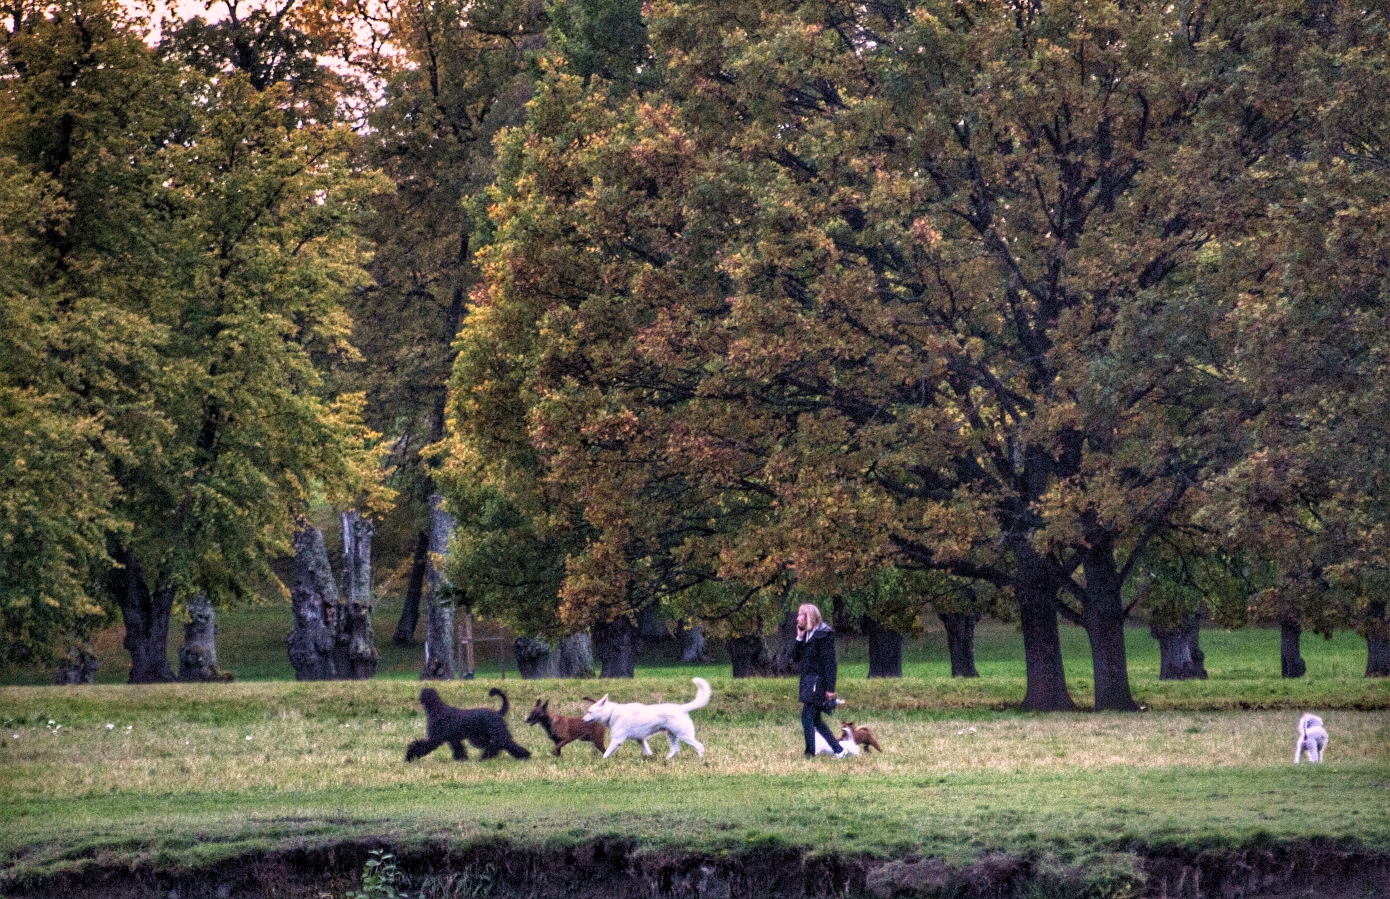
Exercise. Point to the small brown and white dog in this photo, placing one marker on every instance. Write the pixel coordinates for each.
(859, 735)
(1312, 739)
(564, 731)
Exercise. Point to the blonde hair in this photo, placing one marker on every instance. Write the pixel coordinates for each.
(812, 615)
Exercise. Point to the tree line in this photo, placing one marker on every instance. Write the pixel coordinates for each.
(1042, 310)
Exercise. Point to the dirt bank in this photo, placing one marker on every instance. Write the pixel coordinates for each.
(611, 869)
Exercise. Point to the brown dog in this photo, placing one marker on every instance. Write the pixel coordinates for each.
(862, 735)
(564, 731)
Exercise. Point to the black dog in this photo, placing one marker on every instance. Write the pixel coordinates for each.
(484, 728)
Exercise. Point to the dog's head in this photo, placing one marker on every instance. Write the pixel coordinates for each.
(846, 731)
(430, 697)
(539, 714)
(600, 711)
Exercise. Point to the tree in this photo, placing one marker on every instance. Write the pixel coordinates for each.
(940, 306)
(57, 490)
(84, 113)
(459, 77)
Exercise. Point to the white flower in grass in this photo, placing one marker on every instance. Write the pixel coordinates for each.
(50, 722)
(110, 726)
(248, 736)
(960, 733)
(129, 728)
(16, 736)
(972, 730)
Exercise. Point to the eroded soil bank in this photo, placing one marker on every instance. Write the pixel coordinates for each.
(614, 869)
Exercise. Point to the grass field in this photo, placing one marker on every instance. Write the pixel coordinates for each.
(184, 775)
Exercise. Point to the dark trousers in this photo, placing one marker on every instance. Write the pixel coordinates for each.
(811, 722)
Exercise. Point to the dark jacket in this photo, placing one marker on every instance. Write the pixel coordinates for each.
(817, 656)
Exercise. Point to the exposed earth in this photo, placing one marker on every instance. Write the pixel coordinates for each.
(615, 869)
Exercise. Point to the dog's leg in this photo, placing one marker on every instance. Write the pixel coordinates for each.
(420, 748)
(675, 744)
(614, 746)
(646, 749)
(517, 751)
(460, 751)
(490, 752)
(698, 746)
(1298, 750)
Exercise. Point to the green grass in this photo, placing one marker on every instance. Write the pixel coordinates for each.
(187, 774)
(251, 646)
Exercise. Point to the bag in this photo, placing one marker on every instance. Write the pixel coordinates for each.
(810, 689)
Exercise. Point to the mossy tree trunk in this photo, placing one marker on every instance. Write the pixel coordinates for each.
(354, 637)
(314, 601)
(439, 609)
(198, 655)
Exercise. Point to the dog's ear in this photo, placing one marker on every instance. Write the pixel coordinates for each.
(545, 707)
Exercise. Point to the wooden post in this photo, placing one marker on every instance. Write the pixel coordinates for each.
(468, 642)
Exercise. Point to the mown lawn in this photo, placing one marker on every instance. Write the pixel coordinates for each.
(181, 775)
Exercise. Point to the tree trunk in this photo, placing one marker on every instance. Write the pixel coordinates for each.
(79, 666)
(885, 649)
(960, 641)
(356, 648)
(198, 655)
(1377, 655)
(1104, 613)
(782, 664)
(748, 655)
(1377, 641)
(1291, 662)
(1179, 650)
(439, 612)
(314, 601)
(692, 644)
(572, 657)
(146, 617)
(1036, 591)
(576, 656)
(534, 659)
(410, 610)
(615, 645)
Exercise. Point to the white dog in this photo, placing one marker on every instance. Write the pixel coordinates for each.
(638, 721)
(846, 743)
(1312, 739)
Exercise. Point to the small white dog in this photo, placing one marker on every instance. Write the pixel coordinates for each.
(638, 721)
(1312, 739)
(846, 743)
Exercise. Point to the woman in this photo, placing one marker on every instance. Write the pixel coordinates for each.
(815, 649)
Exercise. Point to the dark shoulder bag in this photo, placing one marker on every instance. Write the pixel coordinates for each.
(811, 690)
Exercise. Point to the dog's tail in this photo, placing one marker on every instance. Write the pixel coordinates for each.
(702, 694)
(505, 703)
